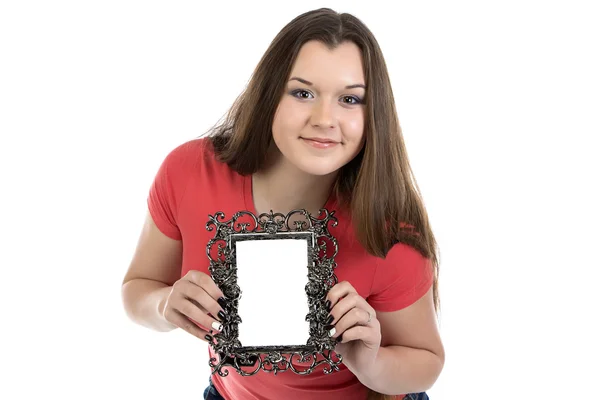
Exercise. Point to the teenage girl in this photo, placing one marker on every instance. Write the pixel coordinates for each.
(315, 127)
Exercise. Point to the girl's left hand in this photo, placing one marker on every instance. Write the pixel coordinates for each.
(356, 326)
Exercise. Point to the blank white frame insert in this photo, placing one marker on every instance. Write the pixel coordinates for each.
(272, 275)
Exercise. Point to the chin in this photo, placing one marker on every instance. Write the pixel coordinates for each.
(319, 162)
(317, 167)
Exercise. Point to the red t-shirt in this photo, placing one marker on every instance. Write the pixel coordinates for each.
(191, 184)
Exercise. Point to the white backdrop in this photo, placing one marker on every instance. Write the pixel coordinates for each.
(499, 106)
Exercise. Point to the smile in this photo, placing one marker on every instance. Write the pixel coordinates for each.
(320, 143)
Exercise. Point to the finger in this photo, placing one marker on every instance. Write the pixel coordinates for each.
(349, 302)
(354, 317)
(339, 291)
(198, 295)
(359, 332)
(189, 326)
(198, 314)
(205, 282)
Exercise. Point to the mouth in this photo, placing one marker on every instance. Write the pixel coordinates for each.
(320, 143)
(320, 140)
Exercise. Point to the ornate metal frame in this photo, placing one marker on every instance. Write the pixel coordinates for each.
(319, 349)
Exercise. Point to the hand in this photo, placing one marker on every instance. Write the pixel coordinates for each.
(192, 303)
(356, 326)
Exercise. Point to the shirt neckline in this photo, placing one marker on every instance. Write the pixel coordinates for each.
(249, 202)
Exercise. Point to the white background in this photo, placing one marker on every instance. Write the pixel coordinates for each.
(499, 104)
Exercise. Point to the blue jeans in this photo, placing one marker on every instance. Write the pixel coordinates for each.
(211, 393)
(416, 396)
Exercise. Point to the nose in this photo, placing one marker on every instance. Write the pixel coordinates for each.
(322, 115)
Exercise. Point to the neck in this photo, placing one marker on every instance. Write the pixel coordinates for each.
(282, 187)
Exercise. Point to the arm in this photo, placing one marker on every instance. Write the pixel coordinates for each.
(155, 266)
(411, 356)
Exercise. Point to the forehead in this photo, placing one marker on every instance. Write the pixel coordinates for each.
(319, 64)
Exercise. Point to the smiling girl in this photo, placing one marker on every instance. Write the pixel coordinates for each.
(316, 127)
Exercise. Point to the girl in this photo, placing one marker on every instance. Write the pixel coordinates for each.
(316, 127)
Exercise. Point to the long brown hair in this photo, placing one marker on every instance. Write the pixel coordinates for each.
(378, 185)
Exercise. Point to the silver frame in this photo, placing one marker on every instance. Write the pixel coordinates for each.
(250, 360)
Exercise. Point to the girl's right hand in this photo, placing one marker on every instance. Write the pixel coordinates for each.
(193, 301)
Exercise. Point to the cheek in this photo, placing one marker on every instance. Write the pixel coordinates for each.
(287, 118)
(354, 128)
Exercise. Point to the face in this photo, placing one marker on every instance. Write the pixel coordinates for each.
(318, 125)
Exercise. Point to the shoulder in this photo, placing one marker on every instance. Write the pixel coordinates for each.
(405, 263)
(189, 154)
(193, 168)
(406, 260)
(403, 252)
(401, 278)
(189, 150)
(181, 164)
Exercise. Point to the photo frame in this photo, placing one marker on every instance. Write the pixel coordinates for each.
(244, 234)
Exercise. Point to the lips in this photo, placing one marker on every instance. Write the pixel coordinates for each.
(320, 143)
(320, 140)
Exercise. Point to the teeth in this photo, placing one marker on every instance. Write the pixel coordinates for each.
(217, 326)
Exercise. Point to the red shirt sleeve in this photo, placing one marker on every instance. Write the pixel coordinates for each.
(168, 189)
(401, 279)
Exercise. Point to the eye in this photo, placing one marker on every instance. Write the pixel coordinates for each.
(356, 100)
(296, 92)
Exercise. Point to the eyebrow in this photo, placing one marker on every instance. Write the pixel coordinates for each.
(356, 85)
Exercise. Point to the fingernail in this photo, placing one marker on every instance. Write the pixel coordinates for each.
(221, 315)
(208, 337)
(222, 302)
(328, 305)
(332, 332)
(217, 326)
(339, 338)
(329, 320)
